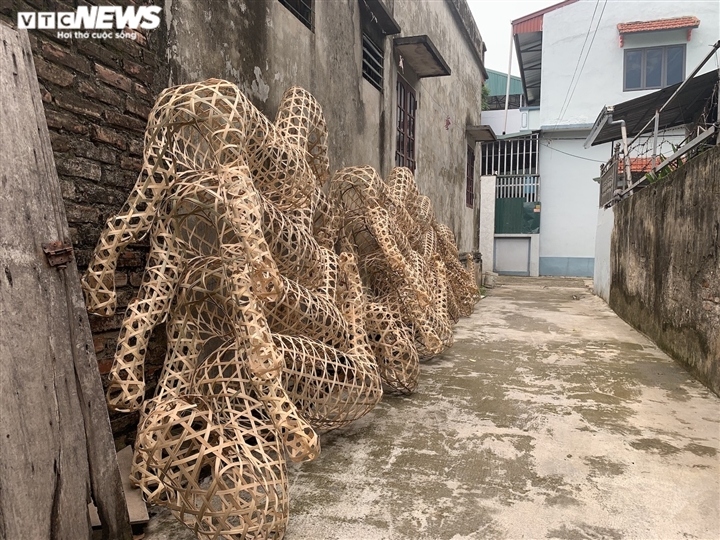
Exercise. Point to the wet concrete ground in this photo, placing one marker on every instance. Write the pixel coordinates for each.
(548, 418)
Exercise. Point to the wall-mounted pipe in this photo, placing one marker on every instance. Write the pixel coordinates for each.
(626, 154)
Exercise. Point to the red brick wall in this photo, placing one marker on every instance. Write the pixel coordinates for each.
(97, 96)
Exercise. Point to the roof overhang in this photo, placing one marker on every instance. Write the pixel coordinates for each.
(517, 135)
(529, 52)
(381, 16)
(637, 113)
(468, 26)
(527, 35)
(480, 133)
(422, 56)
(658, 25)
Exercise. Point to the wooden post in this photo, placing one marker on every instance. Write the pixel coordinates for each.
(56, 447)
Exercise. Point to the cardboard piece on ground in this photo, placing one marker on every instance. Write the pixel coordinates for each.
(133, 496)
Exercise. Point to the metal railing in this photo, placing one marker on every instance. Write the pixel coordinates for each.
(612, 177)
(525, 186)
(703, 134)
(515, 156)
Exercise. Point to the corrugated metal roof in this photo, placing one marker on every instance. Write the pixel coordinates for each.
(527, 32)
(534, 21)
(684, 109)
(659, 24)
(497, 83)
(529, 52)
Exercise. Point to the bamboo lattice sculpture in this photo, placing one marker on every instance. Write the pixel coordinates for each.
(410, 269)
(286, 308)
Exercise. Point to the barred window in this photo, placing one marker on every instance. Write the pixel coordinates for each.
(302, 9)
(372, 62)
(470, 179)
(373, 44)
(406, 107)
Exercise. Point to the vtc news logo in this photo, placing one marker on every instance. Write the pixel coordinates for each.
(104, 18)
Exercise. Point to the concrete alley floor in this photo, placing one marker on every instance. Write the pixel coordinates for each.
(549, 418)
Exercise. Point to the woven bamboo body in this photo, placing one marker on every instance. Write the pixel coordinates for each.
(287, 306)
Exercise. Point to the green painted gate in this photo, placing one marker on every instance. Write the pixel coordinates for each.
(514, 215)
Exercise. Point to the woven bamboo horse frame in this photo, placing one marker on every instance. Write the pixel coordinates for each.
(240, 256)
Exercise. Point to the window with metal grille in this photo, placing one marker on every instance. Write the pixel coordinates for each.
(515, 164)
(526, 187)
(302, 9)
(372, 62)
(373, 45)
(406, 107)
(470, 179)
(517, 156)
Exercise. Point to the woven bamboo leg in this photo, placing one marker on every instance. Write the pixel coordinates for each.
(441, 320)
(300, 311)
(246, 490)
(175, 381)
(126, 390)
(326, 220)
(330, 386)
(244, 495)
(294, 250)
(261, 497)
(229, 279)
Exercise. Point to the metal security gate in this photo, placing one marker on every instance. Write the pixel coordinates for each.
(514, 162)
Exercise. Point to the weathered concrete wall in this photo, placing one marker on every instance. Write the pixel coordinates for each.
(602, 275)
(446, 105)
(666, 265)
(264, 48)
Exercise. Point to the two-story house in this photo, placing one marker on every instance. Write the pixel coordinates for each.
(576, 57)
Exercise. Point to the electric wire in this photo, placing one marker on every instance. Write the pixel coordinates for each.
(562, 113)
(569, 154)
(577, 64)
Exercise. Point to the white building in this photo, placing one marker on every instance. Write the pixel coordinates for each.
(576, 57)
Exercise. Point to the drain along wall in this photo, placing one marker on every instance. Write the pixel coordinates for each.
(665, 265)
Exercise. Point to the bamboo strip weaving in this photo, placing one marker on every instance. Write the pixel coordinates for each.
(292, 300)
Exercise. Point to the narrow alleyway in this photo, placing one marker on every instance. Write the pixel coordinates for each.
(548, 418)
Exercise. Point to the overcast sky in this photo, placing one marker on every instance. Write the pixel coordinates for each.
(493, 19)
